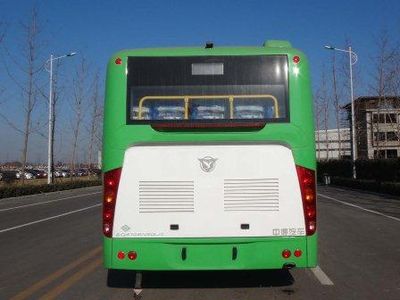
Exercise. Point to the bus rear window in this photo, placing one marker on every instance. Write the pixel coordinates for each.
(207, 89)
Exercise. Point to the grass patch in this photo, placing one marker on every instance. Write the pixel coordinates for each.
(16, 189)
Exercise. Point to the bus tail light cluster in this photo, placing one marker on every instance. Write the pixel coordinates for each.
(111, 182)
(132, 255)
(287, 253)
(308, 194)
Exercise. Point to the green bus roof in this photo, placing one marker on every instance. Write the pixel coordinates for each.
(268, 47)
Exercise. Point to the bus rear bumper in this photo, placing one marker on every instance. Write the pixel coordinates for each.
(209, 254)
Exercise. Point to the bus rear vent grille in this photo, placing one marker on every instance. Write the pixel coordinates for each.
(251, 194)
(166, 196)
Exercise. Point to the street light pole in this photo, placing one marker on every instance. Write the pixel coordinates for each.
(353, 124)
(352, 55)
(51, 113)
(50, 141)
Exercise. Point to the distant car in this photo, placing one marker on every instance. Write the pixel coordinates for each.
(39, 173)
(66, 173)
(94, 171)
(43, 174)
(8, 176)
(35, 173)
(82, 172)
(27, 174)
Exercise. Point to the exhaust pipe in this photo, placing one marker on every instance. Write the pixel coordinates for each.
(288, 266)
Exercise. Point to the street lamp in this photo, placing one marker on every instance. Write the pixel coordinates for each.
(352, 60)
(50, 141)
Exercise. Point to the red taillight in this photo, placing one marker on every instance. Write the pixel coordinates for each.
(296, 59)
(110, 185)
(108, 214)
(308, 194)
(286, 253)
(121, 255)
(107, 229)
(118, 61)
(297, 252)
(132, 255)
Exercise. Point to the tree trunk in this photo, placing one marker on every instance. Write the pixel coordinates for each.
(336, 105)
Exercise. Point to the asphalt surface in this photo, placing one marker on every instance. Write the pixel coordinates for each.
(51, 249)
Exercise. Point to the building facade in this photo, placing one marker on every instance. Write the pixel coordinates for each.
(333, 143)
(377, 121)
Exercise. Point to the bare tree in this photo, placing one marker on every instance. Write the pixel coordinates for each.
(94, 127)
(336, 102)
(322, 113)
(384, 77)
(29, 63)
(55, 99)
(78, 106)
(392, 117)
(2, 35)
(317, 114)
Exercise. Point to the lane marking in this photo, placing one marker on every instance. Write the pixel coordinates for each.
(50, 218)
(321, 276)
(359, 207)
(45, 202)
(56, 291)
(52, 277)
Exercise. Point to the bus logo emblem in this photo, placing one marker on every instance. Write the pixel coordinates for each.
(125, 228)
(207, 163)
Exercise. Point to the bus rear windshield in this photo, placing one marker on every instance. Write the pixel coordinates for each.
(207, 89)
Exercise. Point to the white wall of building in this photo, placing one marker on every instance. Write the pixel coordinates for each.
(327, 143)
(383, 126)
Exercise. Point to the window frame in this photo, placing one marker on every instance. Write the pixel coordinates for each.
(286, 102)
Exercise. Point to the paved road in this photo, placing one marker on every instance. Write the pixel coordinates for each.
(50, 249)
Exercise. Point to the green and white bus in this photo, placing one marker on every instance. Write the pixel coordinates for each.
(209, 159)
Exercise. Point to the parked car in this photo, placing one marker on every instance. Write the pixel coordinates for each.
(27, 174)
(62, 173)
(43, 174)
(8, 176)
(66, 173)
(95, 172)
(38, 173)
(81, 172)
